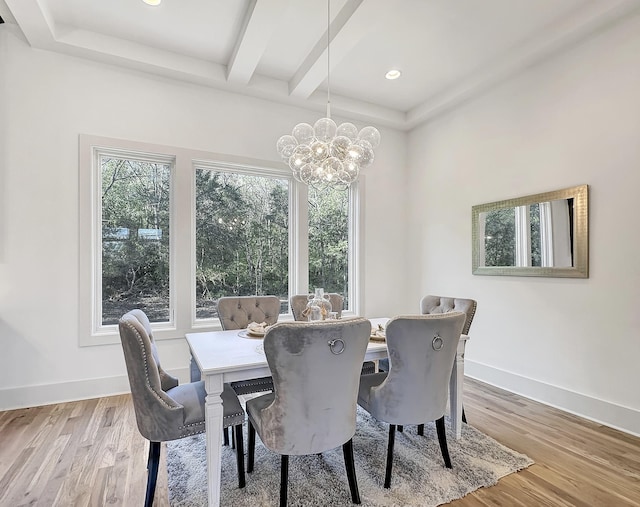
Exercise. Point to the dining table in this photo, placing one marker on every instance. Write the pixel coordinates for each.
(231, 355)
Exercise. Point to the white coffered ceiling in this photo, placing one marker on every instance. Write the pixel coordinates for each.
(447, 50)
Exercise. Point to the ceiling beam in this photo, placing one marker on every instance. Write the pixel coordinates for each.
(356, 18)
(258, 26)
(34, 20)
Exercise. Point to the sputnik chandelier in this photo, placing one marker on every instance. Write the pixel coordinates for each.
(327, 154)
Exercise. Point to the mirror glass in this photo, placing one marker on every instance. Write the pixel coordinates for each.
(536, 235)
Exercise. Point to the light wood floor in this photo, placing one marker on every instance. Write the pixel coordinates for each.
(90, 453)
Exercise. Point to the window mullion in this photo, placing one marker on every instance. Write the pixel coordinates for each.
(523, 236)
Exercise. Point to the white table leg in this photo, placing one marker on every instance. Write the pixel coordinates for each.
(213, 421)
(456, 384)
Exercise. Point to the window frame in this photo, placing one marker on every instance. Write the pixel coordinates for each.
(249, 170)
(182, 224)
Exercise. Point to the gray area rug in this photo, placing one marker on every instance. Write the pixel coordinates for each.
(419, 475)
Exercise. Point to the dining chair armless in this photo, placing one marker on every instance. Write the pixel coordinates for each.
(430, 305)
(298, 304)
(440, 304)
(237, 312)
(316, 374)
(414, 390)
(166, 410)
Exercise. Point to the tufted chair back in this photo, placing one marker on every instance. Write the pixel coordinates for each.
(439, 304)
(237, 312)
(299, 303)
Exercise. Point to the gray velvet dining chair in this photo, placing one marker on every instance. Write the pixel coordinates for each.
(441, 304)
(166, 410)
(298, 303)
(316, 372)
(414, 391)
(237, 312)
(430, 305)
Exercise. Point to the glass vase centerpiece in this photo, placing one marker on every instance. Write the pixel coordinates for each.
(318, 307)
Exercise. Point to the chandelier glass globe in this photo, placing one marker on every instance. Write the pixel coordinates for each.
(328, 154)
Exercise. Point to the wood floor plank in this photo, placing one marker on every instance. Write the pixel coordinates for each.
(90, 453)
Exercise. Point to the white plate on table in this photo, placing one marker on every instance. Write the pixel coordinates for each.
(246, 333)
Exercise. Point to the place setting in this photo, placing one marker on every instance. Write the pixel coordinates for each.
(254, 330)
(378, 333)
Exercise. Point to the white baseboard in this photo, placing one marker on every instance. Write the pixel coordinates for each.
(47, 394)
(600, 411)
(615, 416)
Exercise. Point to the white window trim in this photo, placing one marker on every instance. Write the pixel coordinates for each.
(182, 230)
(523, 236)
(356, 252)
(546, 235)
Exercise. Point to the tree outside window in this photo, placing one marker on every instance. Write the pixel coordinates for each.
(135, 238)
(329, 240)
(138, 205)
(242, 238)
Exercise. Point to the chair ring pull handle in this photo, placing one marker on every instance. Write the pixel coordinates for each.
(336, 346)
(437, 343)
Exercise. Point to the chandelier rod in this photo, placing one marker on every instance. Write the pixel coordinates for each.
(328, 58)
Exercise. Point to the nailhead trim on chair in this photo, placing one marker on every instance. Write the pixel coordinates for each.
(155, 393)
(146, 369)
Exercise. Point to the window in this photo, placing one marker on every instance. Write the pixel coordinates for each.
(500, 238)
(171, 230)
(536, 234)
(242, 237)
(135, 237)
(329, 240)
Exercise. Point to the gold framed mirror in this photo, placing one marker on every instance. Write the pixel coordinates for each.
(537, 235)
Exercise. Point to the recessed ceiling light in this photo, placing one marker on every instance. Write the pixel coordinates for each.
(152, 2)
(393, 74)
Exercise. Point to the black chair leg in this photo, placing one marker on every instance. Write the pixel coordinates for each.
(233, 440)
(252, 447)
(152, 466)
(392, 437)
(442, 438)
(240, 455)
(464, 416)
(225, 436)
(400, 428)
(421, 430)
(350, 466)
(150, 457)
(284, 479)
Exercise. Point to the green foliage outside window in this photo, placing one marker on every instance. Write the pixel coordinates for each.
(135, 238)
(536, 243)
(329, 240)
(500, 238)
(242, 238)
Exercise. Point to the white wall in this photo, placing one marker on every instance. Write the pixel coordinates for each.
(574, 119)
(47, 100)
